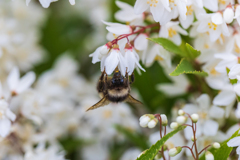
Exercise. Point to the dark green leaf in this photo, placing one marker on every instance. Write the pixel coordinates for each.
(168, 45)
(192, 53)
(151, 152)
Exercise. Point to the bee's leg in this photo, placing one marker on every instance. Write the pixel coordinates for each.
(100, 86)
(132, 78)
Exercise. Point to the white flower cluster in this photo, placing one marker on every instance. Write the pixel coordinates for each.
(19, 36)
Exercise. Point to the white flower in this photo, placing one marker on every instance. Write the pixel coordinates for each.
(174, 151)
(158, 53)
(17, 85)
(117, 28)
(235, 142)
(144, 120)
(132, 60)
(126, 14)
(211, 5)
(228, 15)
(234, 71)
(171, 30)
(209, 156)
(181, 120)
(213, 24)
(174, 125)
(237, 14)
(100, 52)
(113, 59)
(141, 42)
(194, 117)
(152, 123)
(40, 152)
(177, 7)
(6, 116)
(156, 7)
(237, 112)
(164, 119)
(216, 145)
(46, 3)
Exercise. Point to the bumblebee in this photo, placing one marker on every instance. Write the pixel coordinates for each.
(114, 89)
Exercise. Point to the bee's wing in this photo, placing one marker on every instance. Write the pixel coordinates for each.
(132, 100)
(104, 101)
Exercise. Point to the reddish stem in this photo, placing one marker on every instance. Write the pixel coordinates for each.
(190, 150)
(204, 149)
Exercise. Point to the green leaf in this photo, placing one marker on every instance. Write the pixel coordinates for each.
(185, 67)
(168, 45)
(137, 139)
(224, 151)
(192, 53)
(151, 152)
(184, 50)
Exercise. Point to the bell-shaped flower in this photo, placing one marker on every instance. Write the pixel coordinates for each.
(171, 31)
(141, 42)
(112, 60)
(213, 24)
(127, 14)
(158, 53)
(132, 59)
(117, 28)
(18, 85)
(100, 52)
(156, 7)
(228, 14)
(6, 116)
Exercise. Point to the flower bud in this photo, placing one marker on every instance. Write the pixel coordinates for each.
(164, 120)
(216, 145)
(181, 120)
(152, 123)
(144, 121)
(158, 156)
(209, 156)
(228, 14)
(194, 117)
(192, 138)
(174, 125)
(181, 112)
(174, 151)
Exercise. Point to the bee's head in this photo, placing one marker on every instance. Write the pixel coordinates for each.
(117, 79)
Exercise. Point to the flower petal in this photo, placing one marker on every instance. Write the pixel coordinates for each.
(234, 142)
(224, 98)
(210, 128)
(5, 125)
(13, 79)
(140, 6)
(25, 82)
